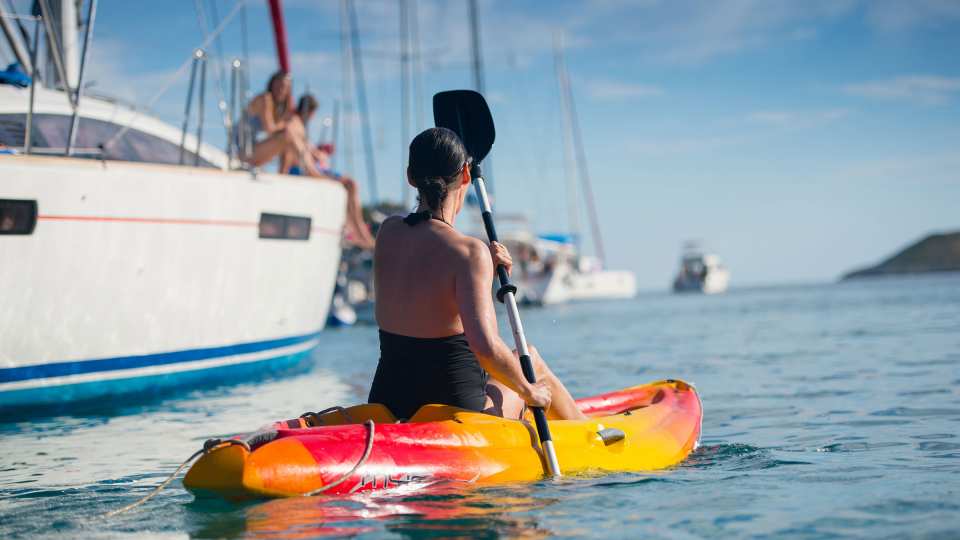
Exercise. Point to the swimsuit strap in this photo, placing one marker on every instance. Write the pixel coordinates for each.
(413, 218)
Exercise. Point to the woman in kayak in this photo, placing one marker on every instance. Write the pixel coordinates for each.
(438, 328)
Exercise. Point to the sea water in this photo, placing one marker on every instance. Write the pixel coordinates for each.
(830, 411)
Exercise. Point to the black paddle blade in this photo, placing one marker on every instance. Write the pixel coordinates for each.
(467, 114)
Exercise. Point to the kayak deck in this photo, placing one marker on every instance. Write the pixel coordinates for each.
(641, 428)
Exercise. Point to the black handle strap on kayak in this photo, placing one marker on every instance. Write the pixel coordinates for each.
(466, 113)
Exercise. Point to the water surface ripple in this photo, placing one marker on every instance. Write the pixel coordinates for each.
(831, 411)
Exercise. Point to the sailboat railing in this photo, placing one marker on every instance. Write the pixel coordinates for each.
(87, 34)
(28, 129)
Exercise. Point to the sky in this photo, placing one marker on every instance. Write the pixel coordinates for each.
(797, 140)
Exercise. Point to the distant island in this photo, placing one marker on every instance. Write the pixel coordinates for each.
(935, 253)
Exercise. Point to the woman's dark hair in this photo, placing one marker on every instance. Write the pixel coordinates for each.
(276, 77)
(280, 107)
(436, 158)
(307, 104)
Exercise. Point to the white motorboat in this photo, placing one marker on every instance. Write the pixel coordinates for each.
(700, 272)
(125, 271)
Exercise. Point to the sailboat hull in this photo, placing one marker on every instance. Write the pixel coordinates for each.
(139, 277)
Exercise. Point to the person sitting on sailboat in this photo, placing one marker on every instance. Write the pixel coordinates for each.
(268, 113)
(297, 159)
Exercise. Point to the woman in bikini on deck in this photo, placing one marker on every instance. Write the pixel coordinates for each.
(438, 329)
(286, 127)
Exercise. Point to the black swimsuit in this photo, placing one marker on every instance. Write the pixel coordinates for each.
(416, 371)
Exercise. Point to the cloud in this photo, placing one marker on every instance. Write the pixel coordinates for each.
(898, 15)
(681, 145)
(923, 89)
(695, 31)
(797, 119)
(617, 91)
(926, 168)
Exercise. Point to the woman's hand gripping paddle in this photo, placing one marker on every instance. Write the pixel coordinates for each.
(466, 113)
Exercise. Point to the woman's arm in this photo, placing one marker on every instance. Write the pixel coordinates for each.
(271, 124)
(472, 283)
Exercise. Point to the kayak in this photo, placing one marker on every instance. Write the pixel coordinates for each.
(363, 448)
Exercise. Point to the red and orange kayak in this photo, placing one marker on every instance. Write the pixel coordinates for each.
(642, 428)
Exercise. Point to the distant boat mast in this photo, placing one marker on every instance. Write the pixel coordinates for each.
(569, 162)
(404, 98)
(479, 84)
(570, 113)
(361, 88)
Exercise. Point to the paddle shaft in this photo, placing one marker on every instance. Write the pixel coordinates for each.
(507, 295)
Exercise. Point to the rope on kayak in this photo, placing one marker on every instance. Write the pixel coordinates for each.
(363, 459)
(208, 447)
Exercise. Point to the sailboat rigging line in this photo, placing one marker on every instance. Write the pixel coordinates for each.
(584, 171)
(201, 98)
(218, 60)
(176, 75)
(87, 33)
(53, 41)
(478, 80)
(245, 46)
(218, 43)
(569, 161)
(335, 132)
(479, 83)
(404, 96)
(186, 110)
(361, 89)
(19, 50)
(417, 63)
(28, 129)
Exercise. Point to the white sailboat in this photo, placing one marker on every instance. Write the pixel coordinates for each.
(552, 268)
(125, 271)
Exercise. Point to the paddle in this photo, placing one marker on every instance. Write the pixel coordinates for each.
(466, 113)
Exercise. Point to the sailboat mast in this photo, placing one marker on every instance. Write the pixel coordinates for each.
(582, 166)
(479, 84)
(280, 35)
(361, 88)
(417, 62)
(573, 209)
(346, 92)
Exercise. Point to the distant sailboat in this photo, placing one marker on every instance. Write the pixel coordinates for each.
(551, 268)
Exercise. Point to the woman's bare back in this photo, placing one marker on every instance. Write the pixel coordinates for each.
(415, 272)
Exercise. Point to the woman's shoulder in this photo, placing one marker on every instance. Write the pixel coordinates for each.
(258, 100)
(391, 222)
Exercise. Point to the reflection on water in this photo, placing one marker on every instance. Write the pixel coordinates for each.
(443, 512)
(830, 411)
